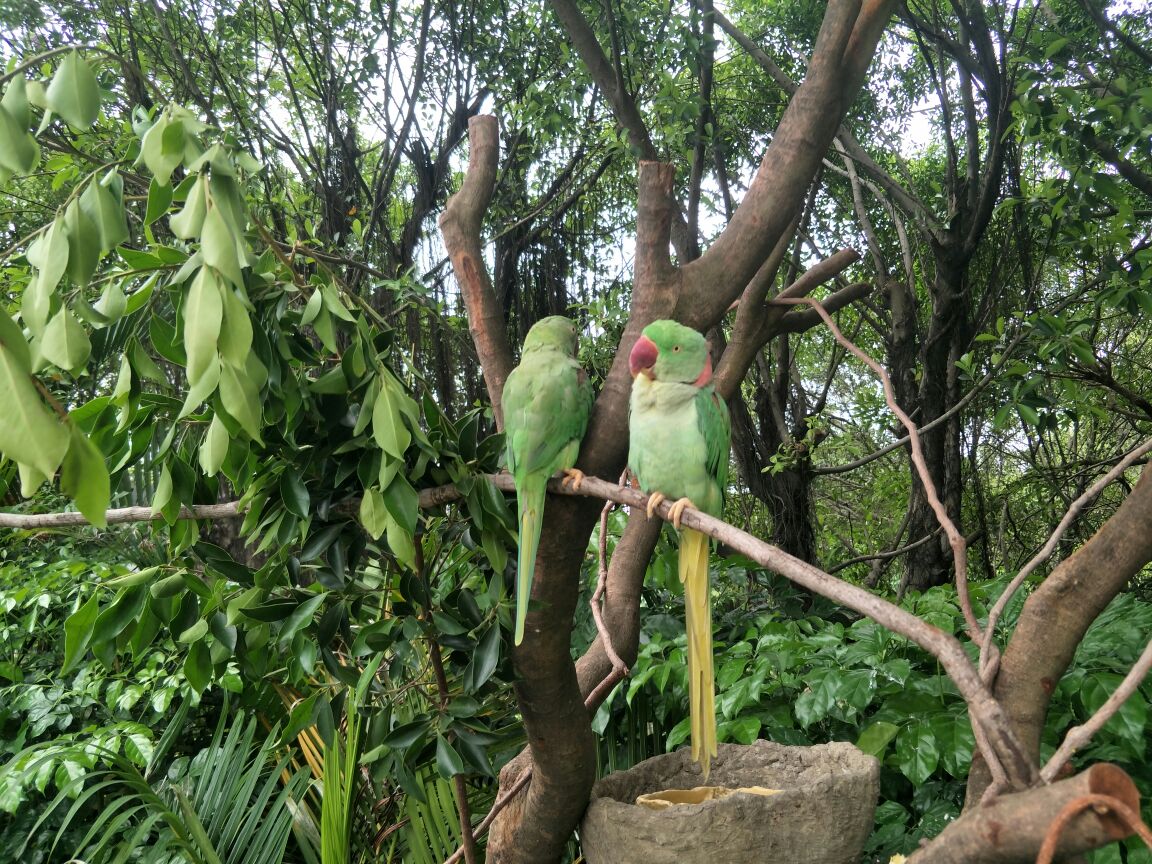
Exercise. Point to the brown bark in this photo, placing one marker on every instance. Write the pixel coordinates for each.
(1058, 614)
(1011, 829)
(460, 224)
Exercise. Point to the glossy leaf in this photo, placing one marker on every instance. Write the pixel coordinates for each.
(448, 761)
(78, 633)
(198, 666)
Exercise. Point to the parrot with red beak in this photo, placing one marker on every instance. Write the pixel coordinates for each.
(679, 438)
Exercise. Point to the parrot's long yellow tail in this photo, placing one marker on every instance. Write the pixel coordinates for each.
(698, 612)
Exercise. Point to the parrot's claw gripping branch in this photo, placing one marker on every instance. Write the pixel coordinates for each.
(676, 511)
(573, 477)
(654, 501)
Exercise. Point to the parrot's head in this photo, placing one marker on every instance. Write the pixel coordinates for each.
(554, 333)
(668, 351)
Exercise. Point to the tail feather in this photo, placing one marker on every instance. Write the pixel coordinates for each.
(530, 503)
(701, 680)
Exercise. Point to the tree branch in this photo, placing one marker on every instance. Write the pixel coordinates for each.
(460, 224)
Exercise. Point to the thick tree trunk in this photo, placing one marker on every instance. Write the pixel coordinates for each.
(937, 393)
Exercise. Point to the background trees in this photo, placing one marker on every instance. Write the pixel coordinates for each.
(239, 201)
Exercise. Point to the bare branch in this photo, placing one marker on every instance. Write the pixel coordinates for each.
(955, 538)
(1074, 510)
(1080, 735)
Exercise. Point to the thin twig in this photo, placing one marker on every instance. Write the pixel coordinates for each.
(987, 669)
(955, 538)
(618, 665)
(1080, 735)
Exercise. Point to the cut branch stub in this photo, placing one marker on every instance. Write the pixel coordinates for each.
(1011, 829)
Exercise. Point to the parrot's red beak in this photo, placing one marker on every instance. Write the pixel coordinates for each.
(643, 357)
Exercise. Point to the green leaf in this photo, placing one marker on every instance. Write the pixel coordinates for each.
(198, 666)
(113, 303)
(83, 244)
(19, 152)
(448, 761)
(49, 255)
(103, 205)
(214, 447)
(311, 308)
(484, 661)
(78, 633)
(917, 752)
(203, 312)
(403, 737)
(403, 503)
(194, 632)
(65, 343)
(817, 700)
(163, 493)
(84, 478)
(219, 247)
(334, 304)
(402, 544)
(29, 432)
(159, 200)
(241, 399)
(294, 494)
(187, 223)
(73, 93)
(301, 617)
(236, 332)
(12, 338)
(373, 513)
(388, 428)
(118, 614)
(875, 739)
(743, 730)
(15, 101)
(169, 586)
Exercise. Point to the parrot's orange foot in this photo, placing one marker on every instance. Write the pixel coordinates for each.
(654, 501)
(574, 476)
(678, 509)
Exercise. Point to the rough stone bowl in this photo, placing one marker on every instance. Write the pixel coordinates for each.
(823, 815)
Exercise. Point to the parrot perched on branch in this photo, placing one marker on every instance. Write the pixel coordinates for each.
(679, 439)
(547, 400)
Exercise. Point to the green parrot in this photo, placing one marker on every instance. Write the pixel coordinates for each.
(547, 401)
(678, 448)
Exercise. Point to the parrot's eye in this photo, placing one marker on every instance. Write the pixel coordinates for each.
(675, 347)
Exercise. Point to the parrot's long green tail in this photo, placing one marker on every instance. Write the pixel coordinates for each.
(530, 503)
(698, 612)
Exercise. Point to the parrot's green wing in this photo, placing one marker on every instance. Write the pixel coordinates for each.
(716, 427)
